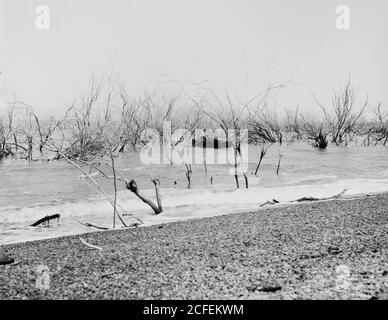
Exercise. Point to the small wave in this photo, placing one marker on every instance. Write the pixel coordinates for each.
(131, 169)
(314, 178)
(178, 204)
(83, 176)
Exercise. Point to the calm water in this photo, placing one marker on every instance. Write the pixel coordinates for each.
(32, 190)
(40, 182)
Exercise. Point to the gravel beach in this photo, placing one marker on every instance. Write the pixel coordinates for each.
(322, 250)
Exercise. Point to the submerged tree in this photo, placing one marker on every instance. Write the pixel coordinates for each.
(92, 145)
(345, 113)
(8, 137)
(230, 116)
(314, 132)
(264, 129)
(380, 126)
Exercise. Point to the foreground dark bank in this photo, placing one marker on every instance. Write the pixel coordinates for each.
(327, 250)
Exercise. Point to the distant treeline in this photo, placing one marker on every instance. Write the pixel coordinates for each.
(107, 117)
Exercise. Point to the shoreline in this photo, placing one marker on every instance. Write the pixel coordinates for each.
(174, 220)
(297, 248)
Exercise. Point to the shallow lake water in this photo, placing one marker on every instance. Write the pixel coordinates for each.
(29, 191)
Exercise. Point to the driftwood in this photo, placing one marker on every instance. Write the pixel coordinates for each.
(303, 199)
(4, 260)
(46, 220)
(90, 245)
(106, 275)
(337, 196)
(132, 225)
(274, 201)
(87, 224)
(270, 289)
(132, 186)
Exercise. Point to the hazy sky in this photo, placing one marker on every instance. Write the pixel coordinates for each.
(193, 41)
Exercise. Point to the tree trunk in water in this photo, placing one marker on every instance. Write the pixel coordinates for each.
(29, 149)
(235, 169)
(16, 142)
(262, 155)
(204, 150)
(188, 175)
(115, 190)
(156, 182)
(246, 180)
(258, 165)
(278, 168)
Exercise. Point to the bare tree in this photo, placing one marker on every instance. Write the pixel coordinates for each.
(85, 141)
(264, 128)
(314, 132)
(345, 113)
(8, 136)
(135, 117)
(292, 125)
(230, 116)
(92, 143)
(379, 126)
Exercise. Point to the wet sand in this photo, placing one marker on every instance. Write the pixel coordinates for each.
(323, 250)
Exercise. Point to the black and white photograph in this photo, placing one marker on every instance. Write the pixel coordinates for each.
(192, 150)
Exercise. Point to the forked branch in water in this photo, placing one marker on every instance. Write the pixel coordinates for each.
(132, 186)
